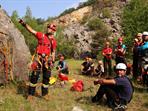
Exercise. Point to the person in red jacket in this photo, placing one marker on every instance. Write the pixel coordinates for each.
(107, 59)
(45, 48)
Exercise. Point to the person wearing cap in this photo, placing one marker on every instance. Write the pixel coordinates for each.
(136, 56)
(45, 48)
(118, 90)
(107, 59)
(120, 50)
(144, 51)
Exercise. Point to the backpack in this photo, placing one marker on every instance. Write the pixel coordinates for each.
(77, 86)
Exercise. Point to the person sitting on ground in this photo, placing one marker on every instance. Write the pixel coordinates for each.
(62, 66)
(87, 67)
(99, 71)
(118, 90)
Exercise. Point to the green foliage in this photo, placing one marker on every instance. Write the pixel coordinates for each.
(87, 3)
(135, 17)
(84, 19)
(134, 20)
(28, 13)
(64, 45)
(106, 13)
(34, 23)
(102, 33)
(95, 23)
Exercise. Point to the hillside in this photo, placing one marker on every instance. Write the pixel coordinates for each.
(77, 28)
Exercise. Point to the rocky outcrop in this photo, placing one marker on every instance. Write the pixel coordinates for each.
(81, 33)
(81, 36)
(14, 53)
(74, 17)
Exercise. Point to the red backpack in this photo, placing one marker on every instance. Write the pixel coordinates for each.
(77, 86)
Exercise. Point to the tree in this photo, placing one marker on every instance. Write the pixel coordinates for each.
(28, 14)
(134, 20)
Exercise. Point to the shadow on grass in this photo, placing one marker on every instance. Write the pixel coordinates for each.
(145, 105)
(141, 89)
(87, 100)
(22, 89)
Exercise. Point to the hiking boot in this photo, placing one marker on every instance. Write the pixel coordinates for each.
(30, 98)
(120, 108)
(46, 97)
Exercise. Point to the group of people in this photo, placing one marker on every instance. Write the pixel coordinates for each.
(138, 67)
(140, 58)
(105, 67)
(118, 90)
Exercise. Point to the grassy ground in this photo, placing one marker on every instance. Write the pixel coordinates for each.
(62, 99)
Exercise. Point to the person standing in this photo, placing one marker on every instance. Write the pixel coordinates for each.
(136, 56)
(107, 59)
(144, 55)
(45, 48)
(120, 50)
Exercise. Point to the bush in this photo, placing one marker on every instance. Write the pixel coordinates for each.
(64, 45)
(106, 13)
(95, 23)
(87, 3)
(85, 19)
(134, 20)
(99, 38)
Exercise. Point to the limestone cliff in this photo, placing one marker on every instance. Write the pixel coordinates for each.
(14, 53)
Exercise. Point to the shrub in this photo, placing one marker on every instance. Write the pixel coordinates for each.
(134, 19)
(95, 23)
(85, 19)
(106, 13)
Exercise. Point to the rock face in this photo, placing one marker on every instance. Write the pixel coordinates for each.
(82, 37)
(81, 34)
(73, 17)
(14, 53)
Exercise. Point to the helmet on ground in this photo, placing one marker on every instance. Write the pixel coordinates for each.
(51, 26)
(121, 66)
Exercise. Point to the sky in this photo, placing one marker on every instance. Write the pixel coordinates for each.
(40, 8)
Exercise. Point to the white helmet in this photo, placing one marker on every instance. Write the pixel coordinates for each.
(121, 66)
(145, 33)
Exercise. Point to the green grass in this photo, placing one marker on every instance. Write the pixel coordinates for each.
(62, 98)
